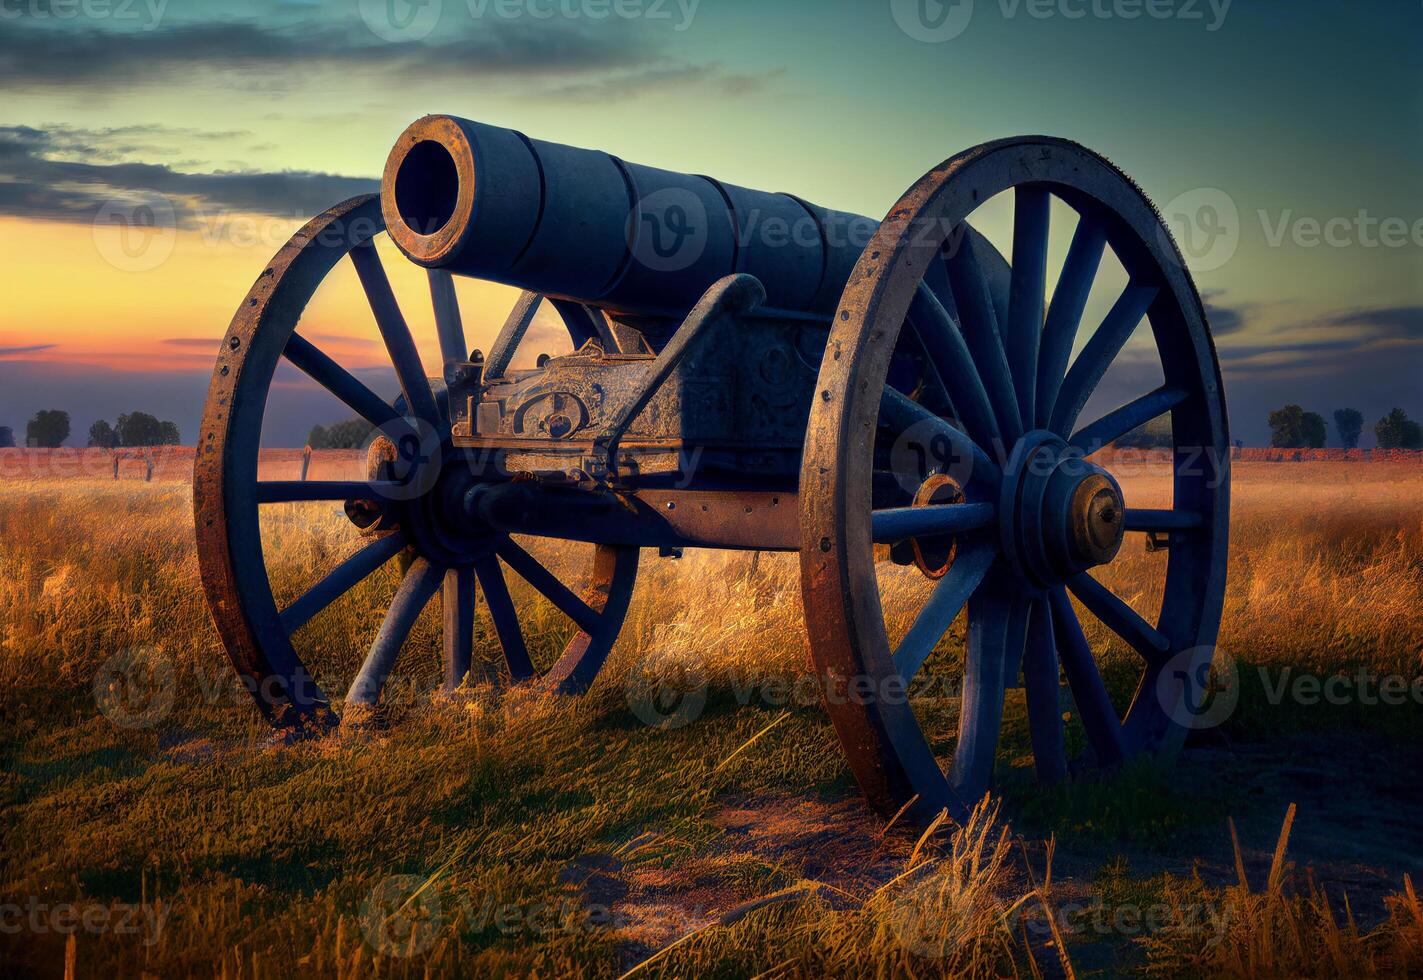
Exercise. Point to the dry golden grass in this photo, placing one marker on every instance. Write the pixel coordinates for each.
(260, 858)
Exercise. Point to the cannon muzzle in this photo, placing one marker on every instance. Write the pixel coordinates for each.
(481, 201)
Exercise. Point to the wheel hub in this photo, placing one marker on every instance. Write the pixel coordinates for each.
(1059, 515)
(429, 504)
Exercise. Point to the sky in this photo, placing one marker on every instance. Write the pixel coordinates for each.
(155, 153)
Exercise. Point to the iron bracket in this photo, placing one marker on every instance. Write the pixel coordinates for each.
(725, 300)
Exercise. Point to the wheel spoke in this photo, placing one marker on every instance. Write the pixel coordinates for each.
(1042, 688)
(414, 594)
(393, 329)
(1026, 293)
(457, 613)
(979, 324)
(505, 617)
(1142, 519)
(1089, 367)
(951, 357)
(1064, 314)
(997, 629)
(1119, 617)
(899, 413)
(1117, 423)
(511, 334)
(448, 323)
(288, 491)
(337, 380)
(341, 580)
(1099, 717)
(943, 607)
(897, 523)
(529, 569)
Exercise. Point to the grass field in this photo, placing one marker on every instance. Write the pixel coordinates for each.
(151, 825)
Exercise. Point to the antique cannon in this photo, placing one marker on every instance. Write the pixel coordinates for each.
(896, 401)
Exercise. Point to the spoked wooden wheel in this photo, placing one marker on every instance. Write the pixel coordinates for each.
(1027, 512)
(413, 504)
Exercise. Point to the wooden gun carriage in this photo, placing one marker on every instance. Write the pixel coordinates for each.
(750, 371)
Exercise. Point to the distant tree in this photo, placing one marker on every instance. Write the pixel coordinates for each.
(142, 429)
(351, 434)
(1349, 423)
(103, 436)
(1149, 435)
(48, 429)
(1292, 427)
(1397, 431)
(7, 437)
(139, 429)
(1312, 429)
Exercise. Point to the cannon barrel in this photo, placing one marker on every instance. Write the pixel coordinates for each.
(487, 202)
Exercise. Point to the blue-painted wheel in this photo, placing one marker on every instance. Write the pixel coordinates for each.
(1034, 511)
(410, 504)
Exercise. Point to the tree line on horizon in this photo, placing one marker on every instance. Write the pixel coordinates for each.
(50, 427)
(1291, 427)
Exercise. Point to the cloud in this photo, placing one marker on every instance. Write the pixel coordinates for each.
(36, 181)
(31, 349)
(40, 56)
(1224, 319)
(652, 79)
(1402, 322)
